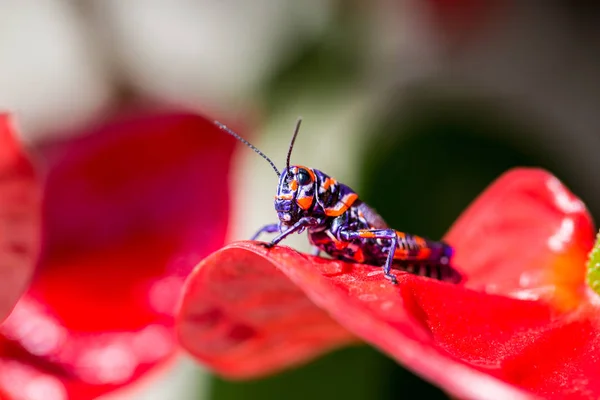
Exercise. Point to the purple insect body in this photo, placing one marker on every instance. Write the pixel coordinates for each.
(340, 224)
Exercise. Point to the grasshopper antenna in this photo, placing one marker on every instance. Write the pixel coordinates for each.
(247, 143)
(289, 154)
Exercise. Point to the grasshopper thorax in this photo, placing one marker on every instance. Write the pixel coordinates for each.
(295, 194)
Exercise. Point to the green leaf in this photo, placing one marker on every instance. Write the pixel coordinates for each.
(593, 267)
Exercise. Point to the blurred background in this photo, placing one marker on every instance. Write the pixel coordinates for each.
(417, 105)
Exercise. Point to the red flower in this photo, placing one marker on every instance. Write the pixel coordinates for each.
(523, 324)
(20, 211)
(128, 209)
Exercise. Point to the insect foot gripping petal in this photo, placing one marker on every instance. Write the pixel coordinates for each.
(391, 277)
(387, 267)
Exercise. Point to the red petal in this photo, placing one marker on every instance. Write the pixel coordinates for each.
(525, 236)
(248, 311)
(243, 318)
(20, 222)
(244, 314)
(129, 209)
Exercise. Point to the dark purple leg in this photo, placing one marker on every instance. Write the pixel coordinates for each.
(266, 229)
(301, 224)
(347, 235)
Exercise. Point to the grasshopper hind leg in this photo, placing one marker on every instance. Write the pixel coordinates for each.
(390, 234)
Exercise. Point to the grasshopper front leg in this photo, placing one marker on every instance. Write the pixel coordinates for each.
(270, 228)
(298, 226)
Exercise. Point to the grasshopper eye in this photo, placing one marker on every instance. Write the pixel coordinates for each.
(303, 177)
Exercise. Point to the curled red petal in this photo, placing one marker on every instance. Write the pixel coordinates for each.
(20, 217)
(472, 343)
(243, 318)
(129, 208)
(291, 307)
(528, 236)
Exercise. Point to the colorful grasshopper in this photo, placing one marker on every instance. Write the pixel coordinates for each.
(341, 225)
